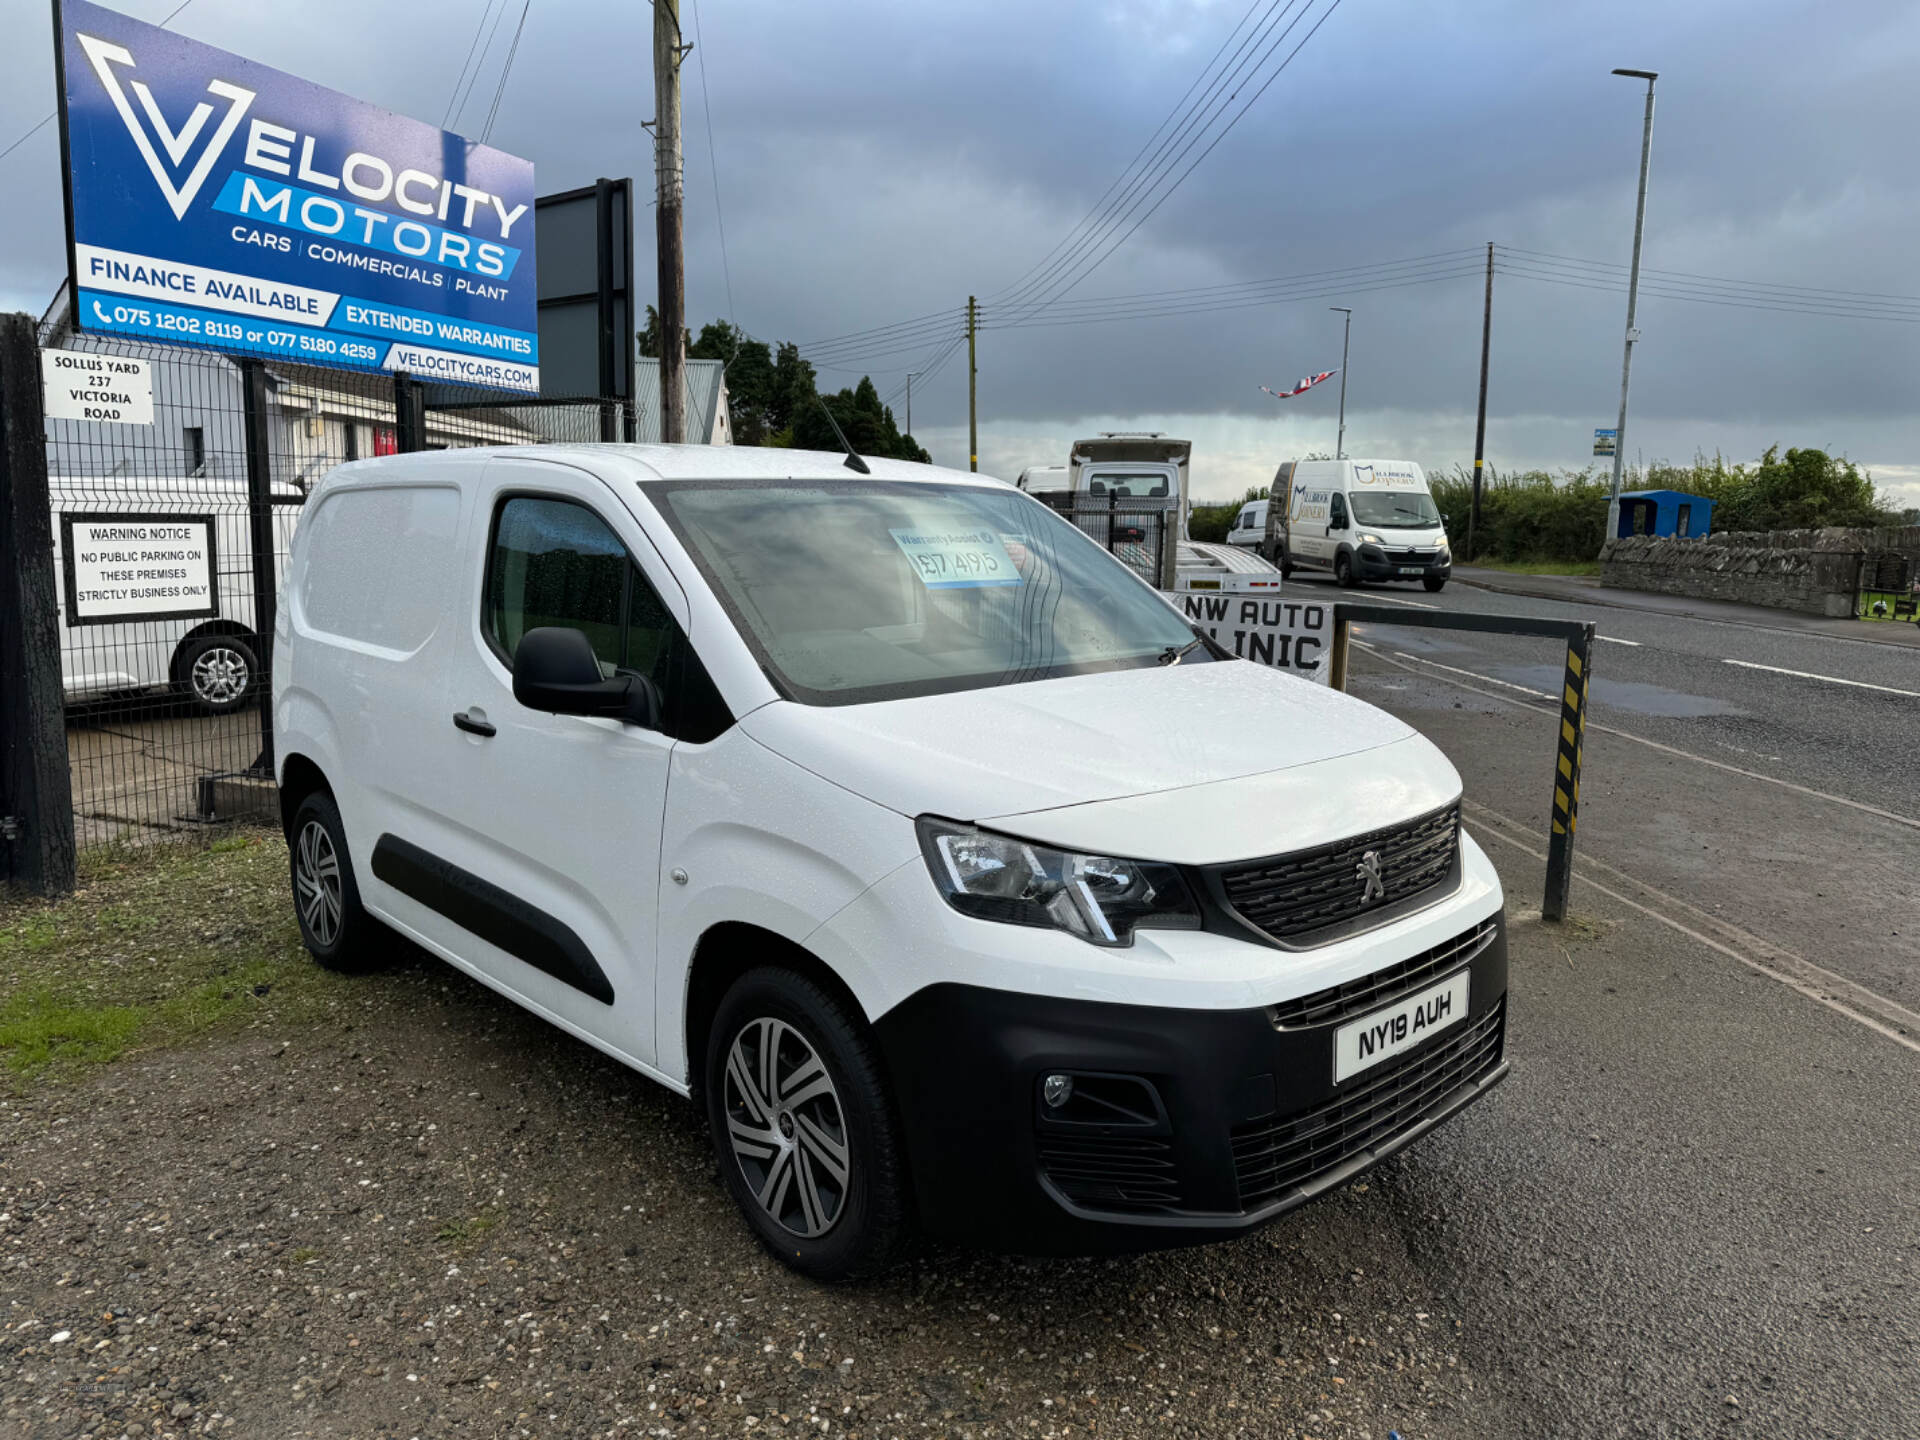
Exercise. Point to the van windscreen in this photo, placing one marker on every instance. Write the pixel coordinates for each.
(1395, 509)
(850, 591)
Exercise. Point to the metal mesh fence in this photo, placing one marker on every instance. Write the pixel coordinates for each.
(1140, 533)
(165, 670)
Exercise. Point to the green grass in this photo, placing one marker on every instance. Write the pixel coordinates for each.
(466, 1232)
(153, 949)
(1540, 567)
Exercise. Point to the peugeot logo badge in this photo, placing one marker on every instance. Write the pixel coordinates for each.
(1368, 872)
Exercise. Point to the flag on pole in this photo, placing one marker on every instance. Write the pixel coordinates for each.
(1305, 384)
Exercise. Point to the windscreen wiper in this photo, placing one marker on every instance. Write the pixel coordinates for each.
(1174, 654)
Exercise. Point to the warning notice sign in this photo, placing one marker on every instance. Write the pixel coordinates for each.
(138, 567)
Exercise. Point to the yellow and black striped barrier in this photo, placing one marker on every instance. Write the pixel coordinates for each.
(1572, 733)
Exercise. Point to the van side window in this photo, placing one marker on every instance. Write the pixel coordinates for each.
(553, 562)
(556, 563)
(1337, 511)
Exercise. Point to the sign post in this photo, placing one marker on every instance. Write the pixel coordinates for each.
(213, 201)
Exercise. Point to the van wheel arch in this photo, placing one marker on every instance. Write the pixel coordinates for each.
(231, 628)
(299, 778)
(725, 953)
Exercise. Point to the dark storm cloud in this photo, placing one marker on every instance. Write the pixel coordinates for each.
(880, 161)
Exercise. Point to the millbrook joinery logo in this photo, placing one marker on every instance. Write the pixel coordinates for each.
(104, 56)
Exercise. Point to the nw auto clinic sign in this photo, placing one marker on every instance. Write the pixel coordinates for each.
(1291, 635)
(217, 202)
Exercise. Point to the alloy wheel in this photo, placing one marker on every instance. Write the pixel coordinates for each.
(316, 882)
(220, 675)
(786, 1127)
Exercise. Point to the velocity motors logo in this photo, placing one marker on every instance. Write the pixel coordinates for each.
(103, 55)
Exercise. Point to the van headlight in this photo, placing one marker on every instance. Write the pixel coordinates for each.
(1367, 537)
(1100, 898)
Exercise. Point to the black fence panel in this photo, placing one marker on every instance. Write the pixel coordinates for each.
(1142, 533)
(164, 613)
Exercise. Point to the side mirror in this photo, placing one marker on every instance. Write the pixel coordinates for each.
(555, 670)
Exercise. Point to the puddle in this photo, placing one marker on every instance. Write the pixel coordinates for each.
(1621, 694)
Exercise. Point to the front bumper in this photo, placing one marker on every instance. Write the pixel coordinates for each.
(1202, 1124)
(1373, 562)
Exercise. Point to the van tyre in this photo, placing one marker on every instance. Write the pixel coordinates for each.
(335, 929)
(1343, 570)
(1435, 584)
(217, 672)
(804, 1128)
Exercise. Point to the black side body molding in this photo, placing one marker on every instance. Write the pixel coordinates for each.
(495, 915)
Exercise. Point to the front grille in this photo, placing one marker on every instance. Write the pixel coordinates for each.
(1381, 987)
(1409, 557)
(1288, 896)
(1108, 1173)
(1273, 1157)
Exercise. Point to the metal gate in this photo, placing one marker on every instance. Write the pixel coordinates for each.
(168, 543)
(1142, 533)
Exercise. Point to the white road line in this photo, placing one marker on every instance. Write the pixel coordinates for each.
(1830, 679)
(1616, 640)
(1395, 600)
(1907, 820)
(1504, 684)
(1822, 986)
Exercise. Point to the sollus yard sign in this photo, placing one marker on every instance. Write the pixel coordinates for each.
(213, 201)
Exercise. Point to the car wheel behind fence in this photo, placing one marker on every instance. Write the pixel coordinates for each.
(217, 672)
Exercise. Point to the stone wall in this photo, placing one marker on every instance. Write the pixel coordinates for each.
(1812, 571)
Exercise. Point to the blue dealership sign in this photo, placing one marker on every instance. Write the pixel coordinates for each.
(216, 202)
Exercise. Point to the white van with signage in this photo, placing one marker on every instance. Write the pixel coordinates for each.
(155, 582)
(1360, 519)
(963, 883)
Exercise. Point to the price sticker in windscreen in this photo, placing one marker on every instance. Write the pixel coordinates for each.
(957, 559)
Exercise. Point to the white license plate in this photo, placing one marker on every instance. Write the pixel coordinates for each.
(1363, 1043)
(1413, 569)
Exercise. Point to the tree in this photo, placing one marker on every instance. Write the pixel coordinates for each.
(750, 378)
(1805, 489)
(650, 337)
(870, 427)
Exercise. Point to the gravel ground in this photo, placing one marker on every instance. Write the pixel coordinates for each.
(406, 1208)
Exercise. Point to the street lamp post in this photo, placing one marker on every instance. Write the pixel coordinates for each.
(1340, 445)
(1633, 298)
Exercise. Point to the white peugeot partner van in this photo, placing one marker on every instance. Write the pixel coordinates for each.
(965, 885)
(1361, 519)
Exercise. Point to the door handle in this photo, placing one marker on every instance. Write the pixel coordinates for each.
(462, 720)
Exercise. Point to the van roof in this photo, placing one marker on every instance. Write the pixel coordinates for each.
(701, 462)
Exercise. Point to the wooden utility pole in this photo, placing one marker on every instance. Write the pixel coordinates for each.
(670, 191)
(1480, 425)
(973, 377)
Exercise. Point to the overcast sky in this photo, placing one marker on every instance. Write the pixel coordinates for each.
(878, 162)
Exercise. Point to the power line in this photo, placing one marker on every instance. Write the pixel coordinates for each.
(1194, 124)
(713, 159)
(47, 119)
(505, 71)
(446, 120)
(1125, 173)
(1458, 271)
(1211, 144)
(1548, 256)
(1730, 294)
(473, 79)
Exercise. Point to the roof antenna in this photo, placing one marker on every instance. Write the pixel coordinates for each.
(853, 462)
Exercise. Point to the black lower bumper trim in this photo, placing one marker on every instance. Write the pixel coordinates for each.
(1247, 1121)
